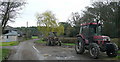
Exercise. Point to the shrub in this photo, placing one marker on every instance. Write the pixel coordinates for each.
(117, 41)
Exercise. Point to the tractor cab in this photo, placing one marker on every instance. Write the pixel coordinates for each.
(92, 32)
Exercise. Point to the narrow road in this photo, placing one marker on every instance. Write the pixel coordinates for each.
(28, 50)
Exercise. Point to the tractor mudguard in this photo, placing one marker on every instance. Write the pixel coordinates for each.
(93, 44)
(80, 35)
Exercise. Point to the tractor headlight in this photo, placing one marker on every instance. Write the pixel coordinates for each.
(108, 39)
(104, 39)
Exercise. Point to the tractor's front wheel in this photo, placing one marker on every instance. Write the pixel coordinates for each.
(112, 50)
(94, 50)
(80, 46)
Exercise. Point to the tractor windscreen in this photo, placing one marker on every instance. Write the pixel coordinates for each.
(95, 29)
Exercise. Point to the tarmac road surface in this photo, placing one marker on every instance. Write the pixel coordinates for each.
(28, 50)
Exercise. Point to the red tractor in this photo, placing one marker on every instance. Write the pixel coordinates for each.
(90, 38)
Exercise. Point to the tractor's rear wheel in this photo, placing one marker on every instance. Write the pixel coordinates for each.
(48, 43)
(80, 46)
(59, 43)
(94, 50)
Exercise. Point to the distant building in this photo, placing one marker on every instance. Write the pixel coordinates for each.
(10, 34)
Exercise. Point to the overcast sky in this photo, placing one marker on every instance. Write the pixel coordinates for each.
(61, 8)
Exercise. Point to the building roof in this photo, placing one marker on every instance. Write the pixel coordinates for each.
(12, 33)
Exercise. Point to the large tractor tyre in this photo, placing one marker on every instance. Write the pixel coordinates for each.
(94, 50)
(59, 43)
(80, 46)
(48, 43)
(112, 50)
(52, 43)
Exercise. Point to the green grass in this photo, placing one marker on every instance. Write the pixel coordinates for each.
(68, 44)
(4, 53)
(40, 41)
(34, 37)
(119, 52)
(13, 43)
(118, 57)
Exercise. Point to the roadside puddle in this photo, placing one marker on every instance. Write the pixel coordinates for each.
(45, 55)
(64, 57)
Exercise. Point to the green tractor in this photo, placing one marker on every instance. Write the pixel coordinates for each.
(53, 39)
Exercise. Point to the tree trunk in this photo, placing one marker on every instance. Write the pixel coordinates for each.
(6, 17)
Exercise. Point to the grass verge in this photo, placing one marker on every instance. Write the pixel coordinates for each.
(69, 44)
(34, 37)
(4, 53)
(13, 43)
(118, 54)
(40, 41)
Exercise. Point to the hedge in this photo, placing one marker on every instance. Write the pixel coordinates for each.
(68, 39)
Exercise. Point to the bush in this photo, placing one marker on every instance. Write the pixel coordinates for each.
(68, 39)
(117, 41)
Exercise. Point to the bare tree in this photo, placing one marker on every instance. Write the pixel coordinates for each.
(8, 11)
